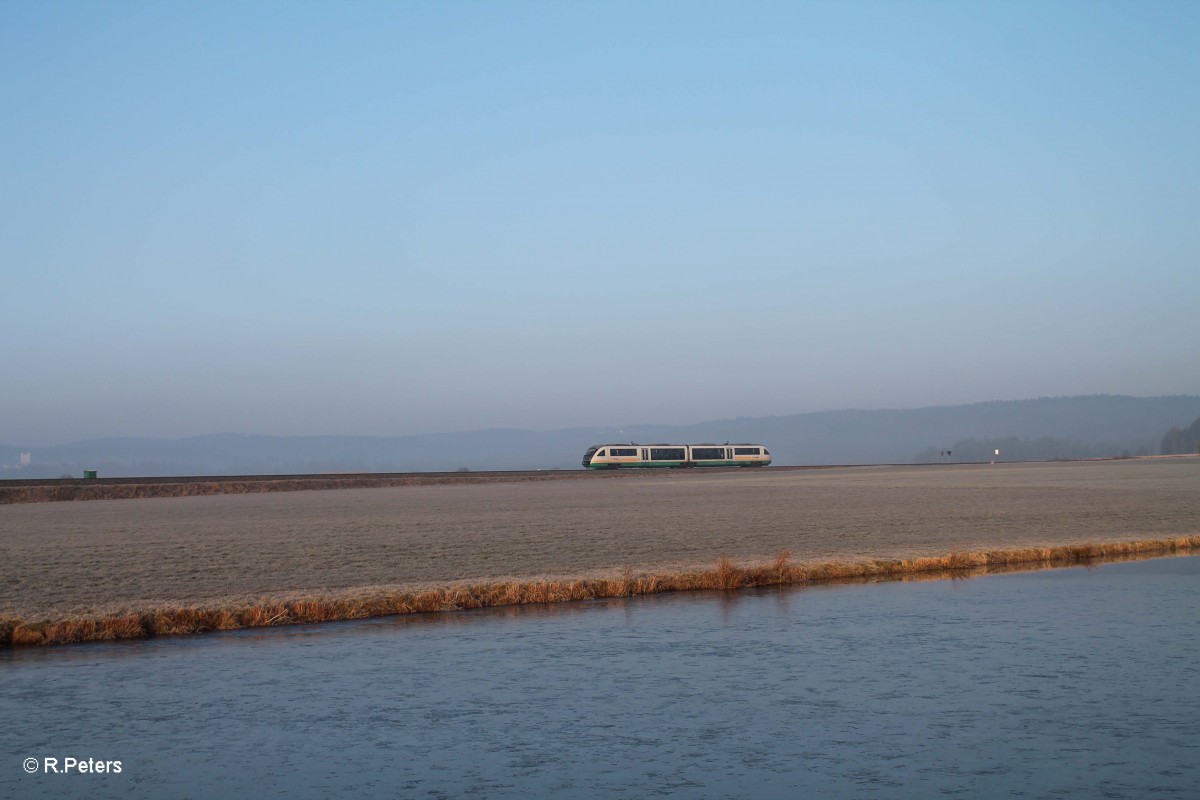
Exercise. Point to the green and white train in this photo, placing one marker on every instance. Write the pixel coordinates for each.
(632, 455)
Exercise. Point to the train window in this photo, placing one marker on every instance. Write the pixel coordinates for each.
(666, 454)
(708, 453)
(624, 451)
(602, 453)
(766, 452)
(745, 451)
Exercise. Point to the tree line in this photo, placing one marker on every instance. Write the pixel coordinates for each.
(1176, 441)
(1015, 448)
(1182, 440)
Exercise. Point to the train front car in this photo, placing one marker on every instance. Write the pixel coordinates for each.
(629, 456)
(613, 456)
(587, 457)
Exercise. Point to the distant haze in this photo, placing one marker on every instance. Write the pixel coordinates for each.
(392, 219)
(1047, 428)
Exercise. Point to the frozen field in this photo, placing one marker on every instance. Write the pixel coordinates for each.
(66, 558)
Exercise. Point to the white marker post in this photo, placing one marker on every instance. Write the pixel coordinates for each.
(997, 455)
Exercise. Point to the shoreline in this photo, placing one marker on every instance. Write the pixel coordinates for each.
(727, 574)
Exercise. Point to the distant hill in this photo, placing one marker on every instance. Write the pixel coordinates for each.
(1094, 425)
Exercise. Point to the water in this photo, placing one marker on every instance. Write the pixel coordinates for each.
(1068, 683)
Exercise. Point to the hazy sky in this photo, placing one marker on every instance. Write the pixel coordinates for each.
(408, 217)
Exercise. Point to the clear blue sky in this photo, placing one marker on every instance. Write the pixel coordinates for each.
(394, 218)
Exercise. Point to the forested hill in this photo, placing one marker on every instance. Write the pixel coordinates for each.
(1061, 427)
(1080, 427)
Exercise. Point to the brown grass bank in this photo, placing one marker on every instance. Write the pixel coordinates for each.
(727, 574)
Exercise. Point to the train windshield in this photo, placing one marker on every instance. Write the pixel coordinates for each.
(587, 457)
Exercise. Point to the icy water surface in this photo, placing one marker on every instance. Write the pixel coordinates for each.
(1067, 683)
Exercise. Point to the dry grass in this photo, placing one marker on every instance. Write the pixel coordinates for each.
(726, 575)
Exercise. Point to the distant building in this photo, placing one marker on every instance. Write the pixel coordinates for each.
(24, 460)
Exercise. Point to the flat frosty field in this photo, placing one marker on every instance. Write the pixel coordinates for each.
(59, 559)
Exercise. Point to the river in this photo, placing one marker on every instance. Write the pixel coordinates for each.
(1070, 683)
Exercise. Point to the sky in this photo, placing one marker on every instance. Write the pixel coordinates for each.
(395, 218)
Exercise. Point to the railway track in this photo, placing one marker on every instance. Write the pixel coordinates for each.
(384, 477)
(42, 490)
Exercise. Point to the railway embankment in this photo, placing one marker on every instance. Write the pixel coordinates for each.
(54, 490)
(68, 489)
